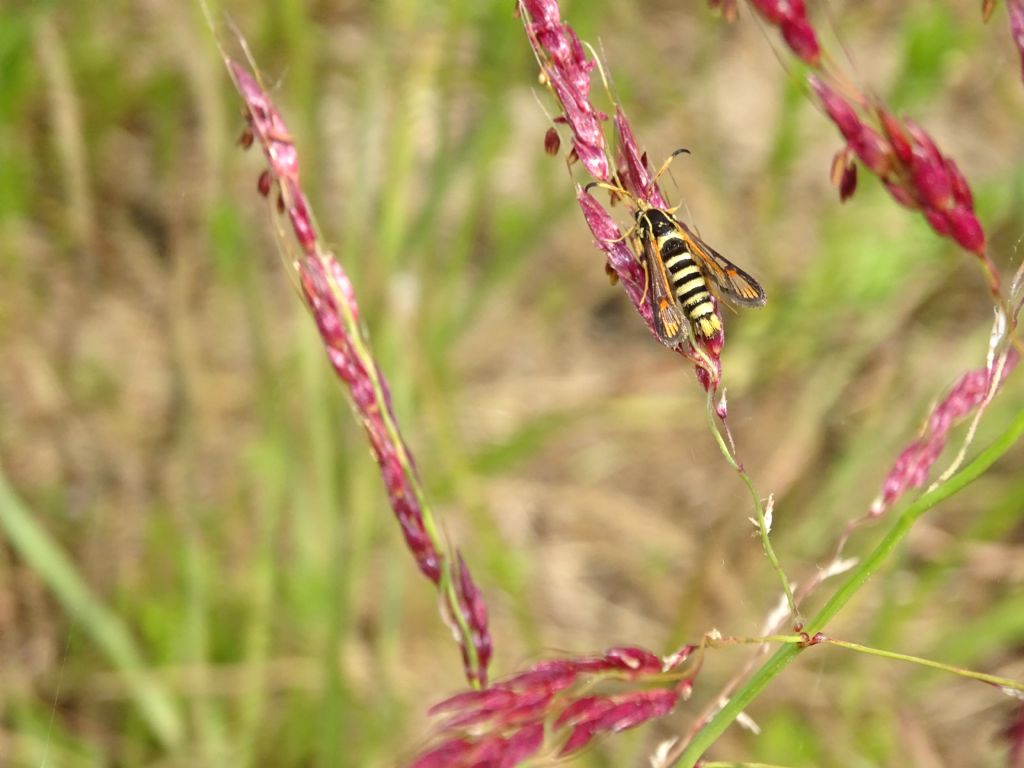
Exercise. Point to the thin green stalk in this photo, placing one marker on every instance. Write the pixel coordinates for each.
(1002, 682)
(804, 640)
(857, 578)
(762, 525)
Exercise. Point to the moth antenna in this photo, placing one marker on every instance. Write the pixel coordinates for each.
(605, 185)
(668, 162)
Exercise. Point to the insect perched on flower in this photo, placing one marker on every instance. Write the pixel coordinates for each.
(683, 272)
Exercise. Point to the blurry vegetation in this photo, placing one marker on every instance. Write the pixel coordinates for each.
(198, 564)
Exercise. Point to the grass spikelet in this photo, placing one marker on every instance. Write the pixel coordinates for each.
(567, 71)
(331, 299)
(550, 709)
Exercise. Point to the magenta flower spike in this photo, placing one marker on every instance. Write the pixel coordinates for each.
(331, 299)
(567, 71)
(545, 709)
(902, 155)
(912, 168)
(913, 465)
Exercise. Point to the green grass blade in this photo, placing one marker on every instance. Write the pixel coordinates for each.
(104, 627)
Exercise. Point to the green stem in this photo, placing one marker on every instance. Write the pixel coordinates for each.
(857, 578)
(762, 526)
(1002, 682)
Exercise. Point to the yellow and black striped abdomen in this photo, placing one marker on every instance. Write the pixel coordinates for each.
(689, 284)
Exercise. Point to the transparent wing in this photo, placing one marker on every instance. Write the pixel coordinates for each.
(730, 281)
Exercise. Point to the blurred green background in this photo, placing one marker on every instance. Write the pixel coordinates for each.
(198, 566)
